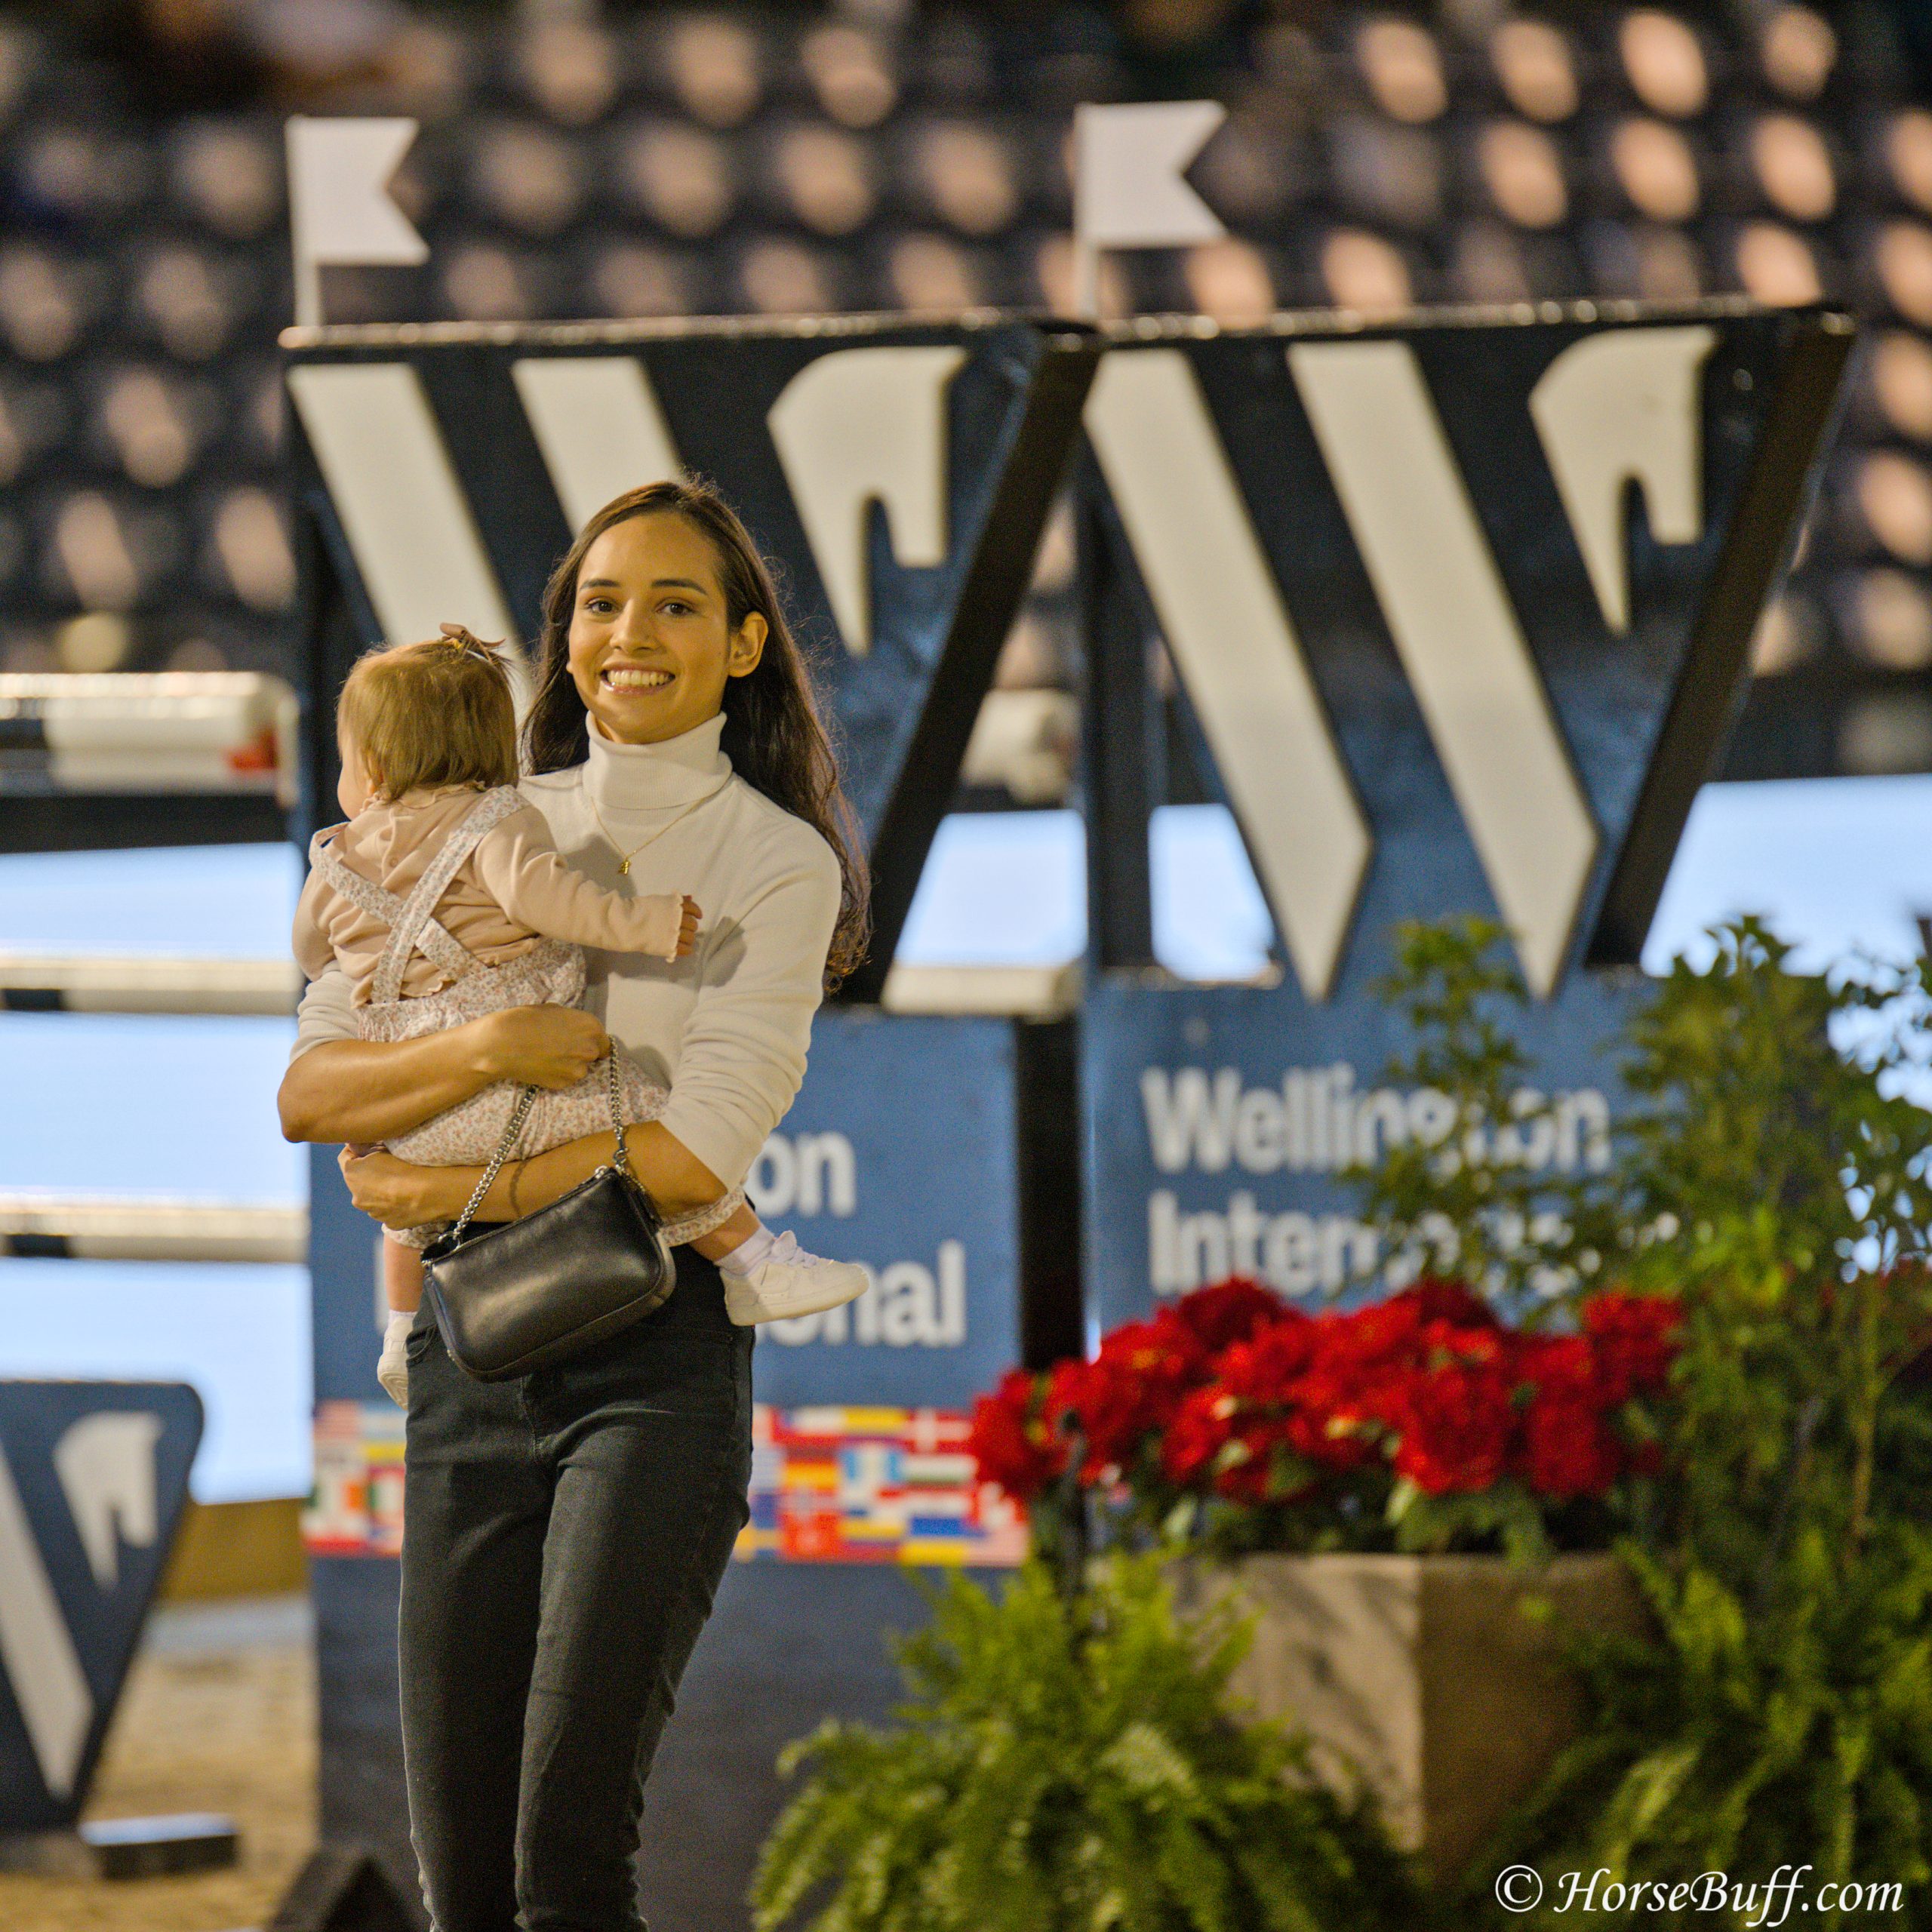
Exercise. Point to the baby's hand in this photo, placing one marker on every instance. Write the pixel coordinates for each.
(665, 925)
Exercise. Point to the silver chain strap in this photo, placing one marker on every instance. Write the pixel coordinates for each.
(623, 1161)
(525, 1101)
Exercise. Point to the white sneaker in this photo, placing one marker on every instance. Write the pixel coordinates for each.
(392, 1370)
(789, 1281)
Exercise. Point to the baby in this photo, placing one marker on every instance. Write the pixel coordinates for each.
(443, 898)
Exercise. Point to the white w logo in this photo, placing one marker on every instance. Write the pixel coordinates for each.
(1611, 409)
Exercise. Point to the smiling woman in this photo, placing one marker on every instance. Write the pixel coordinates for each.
(644, 642)
(665, 580)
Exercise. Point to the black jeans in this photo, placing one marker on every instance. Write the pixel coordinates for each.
(566, 1534)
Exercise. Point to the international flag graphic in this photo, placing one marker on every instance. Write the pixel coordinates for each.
(865, 1485)
(355, 1506)
(829, 1485)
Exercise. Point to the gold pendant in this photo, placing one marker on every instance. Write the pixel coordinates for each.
(623, 868)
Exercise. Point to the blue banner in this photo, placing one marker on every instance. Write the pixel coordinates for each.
(1219, 1120)
(901, 1152)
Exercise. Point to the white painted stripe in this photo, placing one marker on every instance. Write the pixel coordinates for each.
(597, 421)
(1236, 650)
(1031, 993)
(138, 983)
(1618, 408)
(1457, 636)
(403, 510)
(42, 1670)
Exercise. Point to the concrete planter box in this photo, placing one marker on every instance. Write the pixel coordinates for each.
(1422, 1678)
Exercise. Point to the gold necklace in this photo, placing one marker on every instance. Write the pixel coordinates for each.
(625, 859)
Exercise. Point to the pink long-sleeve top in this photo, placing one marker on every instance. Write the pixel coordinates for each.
(513, 890)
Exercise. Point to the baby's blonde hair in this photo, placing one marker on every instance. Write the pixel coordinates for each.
(436, 714)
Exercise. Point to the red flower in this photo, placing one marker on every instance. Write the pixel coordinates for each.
(1247, 1474)
(1228, 1312)
(1216, 1442)
(1130, 1390)
(1383, 1333)
(1013, 1439)
(1452, 1423)
(1285, 1372)
(1438, 1300)
(1568, 1448)
(1634, 1337)
(1332, 1425)
(1196, 1435)
(1377, 1334)
(1229, 1389)
(1263, 1369)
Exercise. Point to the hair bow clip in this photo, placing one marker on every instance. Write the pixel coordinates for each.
(464, 639)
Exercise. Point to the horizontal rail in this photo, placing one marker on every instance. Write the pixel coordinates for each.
(128, 819)
(52, 1226)
(139, 732)
(1011, 992)
(135, 982)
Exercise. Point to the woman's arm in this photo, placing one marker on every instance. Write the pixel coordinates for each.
(401, 1194)
(369, 1089)
(741, 1058)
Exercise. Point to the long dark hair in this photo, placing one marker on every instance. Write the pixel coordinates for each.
(774, 735)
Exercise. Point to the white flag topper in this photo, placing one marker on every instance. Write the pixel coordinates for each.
(1129, 188)
(339, 205)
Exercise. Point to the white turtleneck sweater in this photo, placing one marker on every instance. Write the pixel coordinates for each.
(725, 1030)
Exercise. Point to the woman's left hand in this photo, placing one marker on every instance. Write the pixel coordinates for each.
(399, 1193)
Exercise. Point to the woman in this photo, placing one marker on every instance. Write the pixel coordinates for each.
(567, 1529)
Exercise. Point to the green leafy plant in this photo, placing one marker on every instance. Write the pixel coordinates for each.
(1773, 1179)
(1473, 1190)
(1068, 1764)
(1498, 1184)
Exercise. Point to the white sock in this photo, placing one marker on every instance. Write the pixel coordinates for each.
(754, 1249)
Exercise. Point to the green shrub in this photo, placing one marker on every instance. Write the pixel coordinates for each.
(1775, 1182)
(1068, 1765)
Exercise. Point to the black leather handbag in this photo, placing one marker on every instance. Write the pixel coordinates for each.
(523, 1294)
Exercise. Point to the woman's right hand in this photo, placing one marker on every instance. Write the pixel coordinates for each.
(543, 1046)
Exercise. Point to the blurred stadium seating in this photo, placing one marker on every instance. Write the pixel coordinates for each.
(634, 164)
